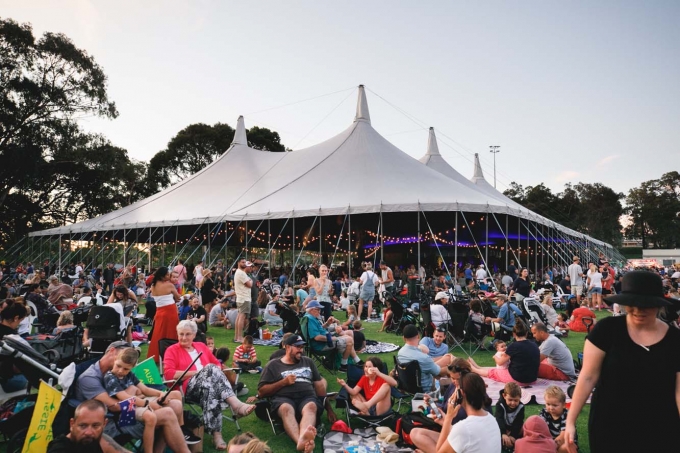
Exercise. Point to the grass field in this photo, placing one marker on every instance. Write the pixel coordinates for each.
(281, 442)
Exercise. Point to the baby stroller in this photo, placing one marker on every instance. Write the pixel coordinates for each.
(104, 327)
(60, 349)
(534, 313)
(291, 320)
(401, 317)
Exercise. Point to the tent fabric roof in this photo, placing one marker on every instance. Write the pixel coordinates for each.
(377, 177)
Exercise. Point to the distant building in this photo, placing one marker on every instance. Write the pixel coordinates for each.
(632, 242)
(665, 257)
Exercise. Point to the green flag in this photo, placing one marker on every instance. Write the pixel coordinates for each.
(147, 372)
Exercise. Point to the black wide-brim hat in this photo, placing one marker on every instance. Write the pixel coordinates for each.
(642, 289)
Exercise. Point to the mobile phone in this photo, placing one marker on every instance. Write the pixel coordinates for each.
(459, 400)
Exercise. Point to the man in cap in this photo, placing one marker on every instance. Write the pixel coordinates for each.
(242, 286)
(410, 351)
(90, 385)
(318, 335)
(575, 272)
(438, 311)
(293, 382)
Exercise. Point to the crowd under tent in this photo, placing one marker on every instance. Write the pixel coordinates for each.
(283, 208)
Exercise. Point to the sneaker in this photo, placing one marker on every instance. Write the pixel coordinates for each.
(253, 371)
(343, 368)
(189, 437)
(259, 369)
(359, 363)
(242, 392)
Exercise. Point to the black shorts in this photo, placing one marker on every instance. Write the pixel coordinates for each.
(297, 404)
(606, 291)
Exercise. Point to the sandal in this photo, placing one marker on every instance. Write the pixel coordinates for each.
(244, 410)
(219, 443)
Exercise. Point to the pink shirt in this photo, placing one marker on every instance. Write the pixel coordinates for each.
(178, 359)
(182, 272)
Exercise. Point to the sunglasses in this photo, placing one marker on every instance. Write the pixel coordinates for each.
(441, 329)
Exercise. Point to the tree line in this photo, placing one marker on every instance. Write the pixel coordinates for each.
(52, 172)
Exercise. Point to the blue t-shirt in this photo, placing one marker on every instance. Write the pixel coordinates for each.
(314, 328)
(507, 314)
(302, 294)
(435, 351)
(428, 368)
(468, 273)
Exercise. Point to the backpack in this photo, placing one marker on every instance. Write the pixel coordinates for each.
(414, 420)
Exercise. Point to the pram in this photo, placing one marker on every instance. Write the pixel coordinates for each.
(104, 327)
(35, 368)
(60, 349)
(401, 317)
(534, 313)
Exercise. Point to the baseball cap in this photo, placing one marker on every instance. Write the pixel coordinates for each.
(441, 295)
(410, 331)
(249, 264)
(294, 340)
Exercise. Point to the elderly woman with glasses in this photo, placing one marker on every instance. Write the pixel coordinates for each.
(205, 381)
(372, 394)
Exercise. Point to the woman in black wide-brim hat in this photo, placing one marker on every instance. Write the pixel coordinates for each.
(633, 362)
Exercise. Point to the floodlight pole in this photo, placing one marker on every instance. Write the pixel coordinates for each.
(494, 149)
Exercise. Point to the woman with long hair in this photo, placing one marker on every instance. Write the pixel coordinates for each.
(594, 282)
(521, 287)
(166, 319)
(322, 287)
(208, 291)
(369, 281)
(479, 431)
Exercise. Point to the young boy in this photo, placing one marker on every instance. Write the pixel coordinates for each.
(210, 343)
(123, 385)
(510, 415)
(555, 414)
(245, 356)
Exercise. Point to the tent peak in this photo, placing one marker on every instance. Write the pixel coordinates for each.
(479, 174)
(362, 107)
(240, 137)
(432, 147)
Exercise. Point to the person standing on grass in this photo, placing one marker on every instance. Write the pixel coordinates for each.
(242, 286)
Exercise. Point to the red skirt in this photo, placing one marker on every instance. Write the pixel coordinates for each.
(164, 326)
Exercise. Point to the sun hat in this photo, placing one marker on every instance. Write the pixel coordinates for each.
(441, 295)
(640, 289)
(313, 304)
(386, 435)
(342, 427)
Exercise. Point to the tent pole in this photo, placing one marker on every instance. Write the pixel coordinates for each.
(382, 236)
(486, 248)
(419, 239)
(455, 245)
(226, 246)
(209, 241)
(162, 263)
(493, 282)
(507, 241)
(59, 266)
(538, 271)
(247, 234)
(124, 247)
(269, 235)
(150, 234)
(519, 242)
(293, 260)
(349, 243)
(505, 235)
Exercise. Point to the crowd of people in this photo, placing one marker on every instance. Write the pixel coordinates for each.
(189, 301)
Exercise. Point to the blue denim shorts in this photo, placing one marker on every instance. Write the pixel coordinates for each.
(595, 290)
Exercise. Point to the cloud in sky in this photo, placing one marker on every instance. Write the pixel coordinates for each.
(566, 175)
(606, 160)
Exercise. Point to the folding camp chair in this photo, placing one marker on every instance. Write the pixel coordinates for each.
(194, 406)
(326, 357)
(408, 380)
(344, 400)
(263, 411)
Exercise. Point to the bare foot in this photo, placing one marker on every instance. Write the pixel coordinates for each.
(306, 437)
(309, 447)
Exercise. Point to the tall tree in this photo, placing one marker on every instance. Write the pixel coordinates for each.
(654, 208)
(45, 86)
(601, 211)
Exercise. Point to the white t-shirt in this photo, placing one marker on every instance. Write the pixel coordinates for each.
(193, 354)
(215, 312)
(595, 279)
(505, 366)
(198, 272)
(574, 271)
(344, 303)
(481, 274)
(475, 434)
(369, 274)
(439, 314)
(242, 291)
(79, 269)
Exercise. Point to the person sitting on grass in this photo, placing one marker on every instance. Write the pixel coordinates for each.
(351, 317)
(510, 415)
(536, 437)
(238, 443)
(563, 324)
(245, 356)
(372, 394)
(555, 415)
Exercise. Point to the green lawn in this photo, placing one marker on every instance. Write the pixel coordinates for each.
(281, 442)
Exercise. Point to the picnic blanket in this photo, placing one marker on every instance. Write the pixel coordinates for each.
(334, 441)
(378, 347)
(531, 394)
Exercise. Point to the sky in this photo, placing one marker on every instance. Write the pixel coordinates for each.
(576, 91)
